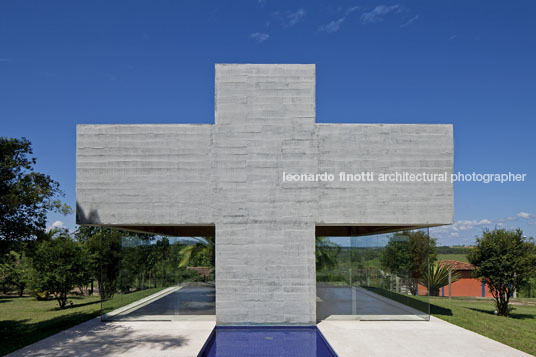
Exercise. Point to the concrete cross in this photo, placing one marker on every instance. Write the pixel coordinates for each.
(226, 179)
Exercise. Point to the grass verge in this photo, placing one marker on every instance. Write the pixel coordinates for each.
(24, 320)
(518, 331)
(458, 257)
(477, 315)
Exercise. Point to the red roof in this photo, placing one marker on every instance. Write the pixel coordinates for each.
(457, 265)
(205, 271)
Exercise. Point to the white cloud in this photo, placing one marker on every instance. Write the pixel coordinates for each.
(465, 225)
(452, 37)
(511, 218)
(474, 223)
(454, 230)
(294, 17)
(464, 231)
(332, 26)
(525, 215)
(375, 15)
(335, 25)
(56, 224)
(259, 36)
(350, 10)
(410, 21)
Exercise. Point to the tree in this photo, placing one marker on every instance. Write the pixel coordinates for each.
(195, 252)
(407, 255)
(26, 196)
(162, 250)
(83, 234)
(5, 279)
(437, 276)
(104, 247)
(16, 271)
(506, 260)
(325, 253)
(58, 266)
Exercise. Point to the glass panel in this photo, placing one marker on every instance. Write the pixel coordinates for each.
(374, 277)
(157, 278)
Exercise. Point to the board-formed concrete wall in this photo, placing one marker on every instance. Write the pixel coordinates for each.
(380, 148)
(230, 175)
(265, 261)
(144, 174)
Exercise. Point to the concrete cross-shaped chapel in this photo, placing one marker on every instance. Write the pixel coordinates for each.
(227, 179)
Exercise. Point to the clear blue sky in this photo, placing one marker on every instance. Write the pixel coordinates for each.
(470, 63)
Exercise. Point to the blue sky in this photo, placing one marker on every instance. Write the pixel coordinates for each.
(467, 63)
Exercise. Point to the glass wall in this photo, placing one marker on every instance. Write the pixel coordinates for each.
(148, 277)
(373, 277)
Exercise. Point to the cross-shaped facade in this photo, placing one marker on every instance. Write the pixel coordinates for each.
(227, 179)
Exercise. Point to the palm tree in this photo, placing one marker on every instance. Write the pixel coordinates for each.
(437, 276)
(50, 234)
(203, 246)
(325, 252)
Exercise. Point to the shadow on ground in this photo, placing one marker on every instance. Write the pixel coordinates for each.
(438, 310)
(512, 314)
(94, 338)
(15, 334)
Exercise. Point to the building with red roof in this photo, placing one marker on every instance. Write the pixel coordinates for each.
(467, 285)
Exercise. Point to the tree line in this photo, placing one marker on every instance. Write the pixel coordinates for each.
(102, 260)
(56, 263)
(504, 259)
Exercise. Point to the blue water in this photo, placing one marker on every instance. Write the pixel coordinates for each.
(266, 341)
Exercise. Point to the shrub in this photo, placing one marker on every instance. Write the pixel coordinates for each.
(59, 266)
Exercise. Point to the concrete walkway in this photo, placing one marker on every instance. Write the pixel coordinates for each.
(347, 337)
(124, 338)
(409, 338)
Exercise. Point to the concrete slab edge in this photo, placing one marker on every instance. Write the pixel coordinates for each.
(140, 303)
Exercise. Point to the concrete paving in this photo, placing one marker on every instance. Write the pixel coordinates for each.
(124, 338)
(348, 338)
(409, 338)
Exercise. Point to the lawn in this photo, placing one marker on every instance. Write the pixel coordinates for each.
(518, 331)
(24, 320)
(476, 314)
(458, 257)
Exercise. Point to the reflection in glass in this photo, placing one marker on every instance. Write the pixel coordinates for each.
(374, 277)
(177, 273)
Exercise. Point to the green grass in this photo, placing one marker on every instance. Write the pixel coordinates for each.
(458, 257)
(24, 320)
(518, 331)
